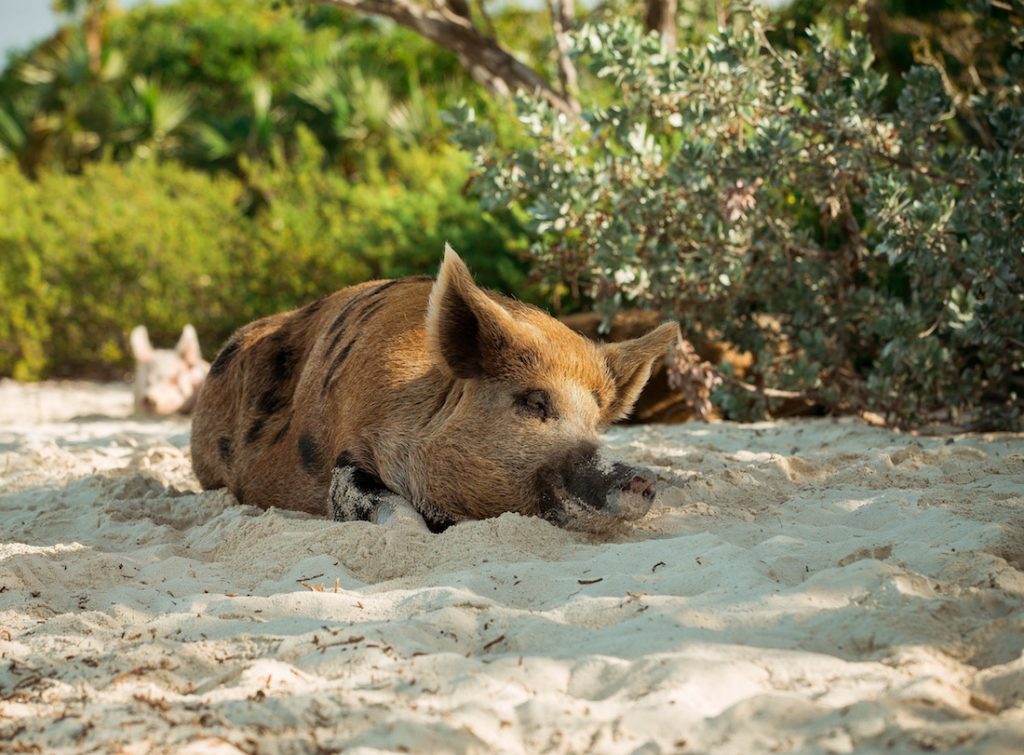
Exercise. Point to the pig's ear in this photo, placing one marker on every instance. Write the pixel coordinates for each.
(466, 329)
(142, 349)
(630, 365)
(188, 346)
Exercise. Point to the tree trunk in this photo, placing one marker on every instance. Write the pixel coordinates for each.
(660, 17)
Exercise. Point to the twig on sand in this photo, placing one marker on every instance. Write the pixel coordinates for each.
(304, 581)
(494, 642)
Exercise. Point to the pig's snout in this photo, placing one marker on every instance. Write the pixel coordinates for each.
(641, 484)
(632, 495)
(586, 493)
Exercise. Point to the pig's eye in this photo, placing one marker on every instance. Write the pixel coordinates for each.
(535, 403)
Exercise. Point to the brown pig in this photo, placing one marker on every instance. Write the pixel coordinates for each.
(464, 403)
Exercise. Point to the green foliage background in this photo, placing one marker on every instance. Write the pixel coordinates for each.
(84, 257)
(227, 160)
(864, 241)
(847, 204)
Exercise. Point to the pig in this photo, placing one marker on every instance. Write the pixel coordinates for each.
(167, 381)
(455, 401)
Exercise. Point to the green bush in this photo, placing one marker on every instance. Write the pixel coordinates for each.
(869, 258)
(210, 82)
(84, 258)
(221, 160)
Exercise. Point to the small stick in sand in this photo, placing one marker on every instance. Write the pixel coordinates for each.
(494, 642)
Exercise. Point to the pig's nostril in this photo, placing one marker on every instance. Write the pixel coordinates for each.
(148, 403)
(643, 486)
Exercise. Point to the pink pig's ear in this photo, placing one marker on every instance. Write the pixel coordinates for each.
(630, 365)
(188, 346)
(142, 349)
(466, 329)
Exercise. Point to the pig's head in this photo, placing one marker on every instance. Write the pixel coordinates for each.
(166, 380)
(520, 427)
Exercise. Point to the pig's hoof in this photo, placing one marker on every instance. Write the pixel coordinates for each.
(351, 499)
(346, 501)
(395, 511)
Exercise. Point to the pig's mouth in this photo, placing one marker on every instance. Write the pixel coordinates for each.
(586, 494)
(163, 405)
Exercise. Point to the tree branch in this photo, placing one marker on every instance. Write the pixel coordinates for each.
(488, 23)
(486, 60)
(459, 8)
(766, 392)
(562, 14)
(660, 16)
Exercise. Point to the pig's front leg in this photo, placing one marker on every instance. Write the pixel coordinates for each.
(357, 495)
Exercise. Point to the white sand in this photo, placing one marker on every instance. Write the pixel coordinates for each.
(818, 586)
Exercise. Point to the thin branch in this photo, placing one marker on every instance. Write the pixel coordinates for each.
(960, 101)
(486, 60)
(660, 17)
(459, 8)
(562, 13)
(488, 22)
(766, 392)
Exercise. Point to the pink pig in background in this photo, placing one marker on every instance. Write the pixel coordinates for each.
(167, 381)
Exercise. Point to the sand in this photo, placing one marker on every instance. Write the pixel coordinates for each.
(814, 586)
